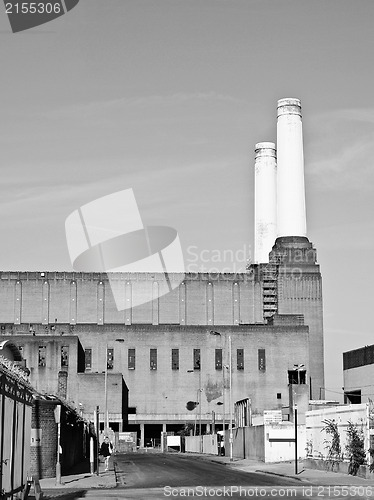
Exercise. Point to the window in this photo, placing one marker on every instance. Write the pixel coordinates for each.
(279, 395)
(175, 359)
(110, 359)
(261, 360)
(64, 356)
(153, 359)
(296, 376)
(42, 355)
(218, 359)
(196, 359)
(131, 359)
(87, 359)
(240, 359)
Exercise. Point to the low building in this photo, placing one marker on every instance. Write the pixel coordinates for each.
(358, 373)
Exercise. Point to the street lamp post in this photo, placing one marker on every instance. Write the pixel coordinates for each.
(230, 397)
(297, 369)
(295, 419)
(230, 392)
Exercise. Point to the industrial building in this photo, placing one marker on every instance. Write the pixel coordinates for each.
(165, 361)
(358, 372)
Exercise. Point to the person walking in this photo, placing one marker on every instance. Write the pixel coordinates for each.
(106, 450)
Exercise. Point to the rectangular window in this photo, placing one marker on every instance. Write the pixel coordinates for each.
(131, 359)
(240, 359)
(296, 376)
(175, 359)
(64, 356)
(110, 359)
(42, 355)
(261, 360)
(196, 359)
(87, 359)
(153, 359)
(218, 359)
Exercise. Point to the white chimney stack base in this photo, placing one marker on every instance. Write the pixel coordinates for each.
(291, 213)
(265, 200)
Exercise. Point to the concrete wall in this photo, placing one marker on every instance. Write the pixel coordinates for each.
(360, 378)
(316, 437)
(193, 444)
(161, 394)
(277, 446)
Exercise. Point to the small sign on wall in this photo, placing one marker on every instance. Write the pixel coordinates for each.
(36, 437)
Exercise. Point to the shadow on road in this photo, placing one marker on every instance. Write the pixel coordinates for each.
(66, 496)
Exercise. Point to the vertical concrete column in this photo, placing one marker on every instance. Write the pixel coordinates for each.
(209, 304)
(182, 303)
(155, 303)
(73, 302)
(17, 303)
(128, 302)
(265, 200)
(163, 427)
(235, 303)
(100, 303)
(45, 303)
(291, 216)
(142, 437)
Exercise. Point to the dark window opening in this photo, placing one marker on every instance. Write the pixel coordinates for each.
(153, 359)
(110, 359)
(87, 359)
(64, 356)
(296, 376)
(279, 395)
(131, 359)
(196, 359)
(218, 359)
(131, 410)
(352, 397)
(42, 355)
(240, 359)
(175, 359)
(261, 360)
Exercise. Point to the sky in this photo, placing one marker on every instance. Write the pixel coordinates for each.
(169, 97)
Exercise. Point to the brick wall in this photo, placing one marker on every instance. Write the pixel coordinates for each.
(44, 457)
(75, 298)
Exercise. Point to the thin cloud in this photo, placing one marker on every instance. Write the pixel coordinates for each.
(342, 149)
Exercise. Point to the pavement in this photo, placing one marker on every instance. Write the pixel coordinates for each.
(80, 479)
(287, 469)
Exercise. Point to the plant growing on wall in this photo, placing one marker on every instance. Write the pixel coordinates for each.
(333, 446)
(355, 447)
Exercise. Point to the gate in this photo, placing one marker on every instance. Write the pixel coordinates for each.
(16, 398)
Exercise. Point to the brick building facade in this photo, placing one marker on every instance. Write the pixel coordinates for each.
(160, 354)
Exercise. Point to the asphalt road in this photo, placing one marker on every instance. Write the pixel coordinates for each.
(157, 470)
(143, 476)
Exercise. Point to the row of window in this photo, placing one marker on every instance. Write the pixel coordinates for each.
(294, 376)
(175, 359)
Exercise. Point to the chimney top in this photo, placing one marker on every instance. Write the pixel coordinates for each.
(265, 149)
(289, 106)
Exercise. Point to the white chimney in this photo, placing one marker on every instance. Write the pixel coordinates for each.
(265, 200)
(291, 215)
